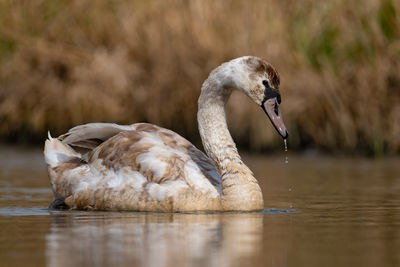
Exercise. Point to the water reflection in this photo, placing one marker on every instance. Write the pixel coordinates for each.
(148, 239)
(348, 214)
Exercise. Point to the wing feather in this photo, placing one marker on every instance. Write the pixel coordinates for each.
(92, 134)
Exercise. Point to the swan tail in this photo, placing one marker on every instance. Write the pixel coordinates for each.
(56, 153)
(65, 170)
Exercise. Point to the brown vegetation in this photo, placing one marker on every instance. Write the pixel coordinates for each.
(64, 63)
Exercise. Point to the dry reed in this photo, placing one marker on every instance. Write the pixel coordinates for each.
(64, 63)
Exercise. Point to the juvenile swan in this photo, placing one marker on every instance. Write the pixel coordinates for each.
(143, 167)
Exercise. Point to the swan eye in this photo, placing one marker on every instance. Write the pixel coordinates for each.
(270, 93)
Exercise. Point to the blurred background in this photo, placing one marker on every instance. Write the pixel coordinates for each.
(64, 63)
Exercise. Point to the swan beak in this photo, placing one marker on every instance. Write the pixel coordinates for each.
(271, 108)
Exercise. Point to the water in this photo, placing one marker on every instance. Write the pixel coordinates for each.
(319, 212)
(286, 157)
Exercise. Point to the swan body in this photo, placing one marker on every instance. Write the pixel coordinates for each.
(144, 167)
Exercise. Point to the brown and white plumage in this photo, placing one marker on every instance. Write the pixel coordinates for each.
(144, 167)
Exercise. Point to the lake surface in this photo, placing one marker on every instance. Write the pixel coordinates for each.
(320, 211)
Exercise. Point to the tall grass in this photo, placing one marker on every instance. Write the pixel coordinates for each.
(64, 63)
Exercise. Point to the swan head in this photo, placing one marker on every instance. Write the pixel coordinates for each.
(259, 80)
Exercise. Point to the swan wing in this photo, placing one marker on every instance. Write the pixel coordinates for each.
(159, 154)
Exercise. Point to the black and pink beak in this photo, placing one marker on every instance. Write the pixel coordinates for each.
(270, 105)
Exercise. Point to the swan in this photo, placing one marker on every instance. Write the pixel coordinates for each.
(144, 167)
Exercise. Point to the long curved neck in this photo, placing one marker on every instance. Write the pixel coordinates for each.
(240, 190)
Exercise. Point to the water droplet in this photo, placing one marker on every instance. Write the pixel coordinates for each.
(286, 157)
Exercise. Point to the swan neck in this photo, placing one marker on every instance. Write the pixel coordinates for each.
(217, 141)
(240, 190)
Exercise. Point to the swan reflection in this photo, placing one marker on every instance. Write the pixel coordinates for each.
(148, 239)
